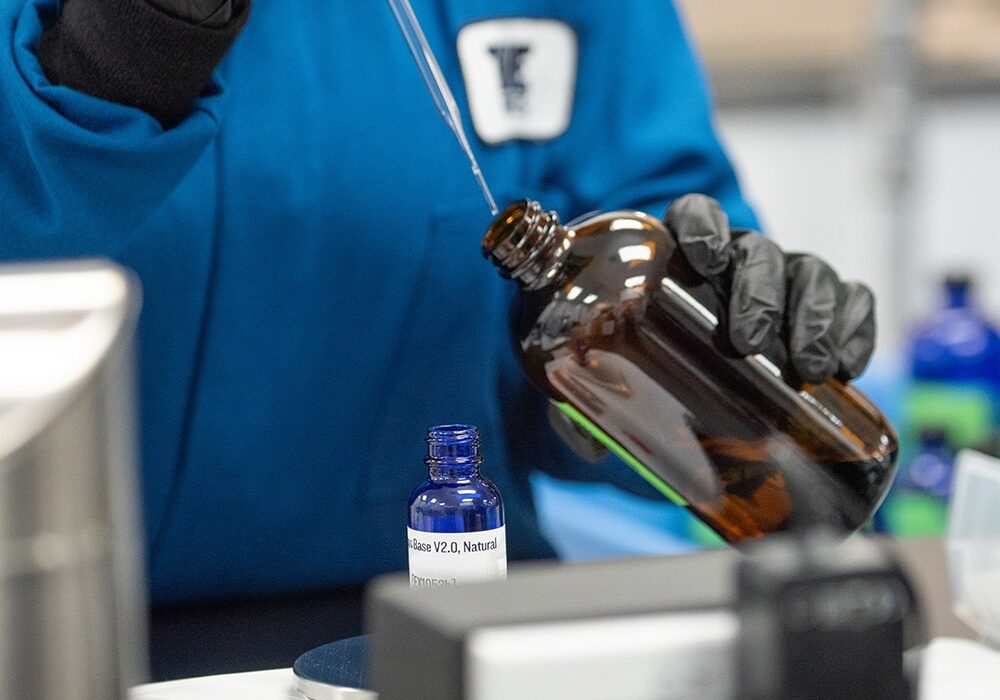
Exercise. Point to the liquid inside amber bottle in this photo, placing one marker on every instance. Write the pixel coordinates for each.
(621, 334)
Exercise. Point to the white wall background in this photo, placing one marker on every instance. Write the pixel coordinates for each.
(813, 173)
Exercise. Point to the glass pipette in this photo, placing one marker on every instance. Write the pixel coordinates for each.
(431, 73)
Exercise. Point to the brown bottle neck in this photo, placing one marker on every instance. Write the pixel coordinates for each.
(528, 245)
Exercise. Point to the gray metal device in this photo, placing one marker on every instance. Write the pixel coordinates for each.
(659, 628)
(822, 619)
(713, 625)
(71, 578)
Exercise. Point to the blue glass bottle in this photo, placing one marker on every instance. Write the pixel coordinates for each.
(456, 527)
(918, 504)
(932, 470)
(955, 371)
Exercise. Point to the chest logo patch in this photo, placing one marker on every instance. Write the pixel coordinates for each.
(520, 76)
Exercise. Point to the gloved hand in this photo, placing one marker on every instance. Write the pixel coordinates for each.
(790, 307)
(156, 55)
(211, 13)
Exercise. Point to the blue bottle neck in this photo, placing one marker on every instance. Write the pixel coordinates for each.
(450, 473)
(933, 440)
(957, 294)
(453, 453)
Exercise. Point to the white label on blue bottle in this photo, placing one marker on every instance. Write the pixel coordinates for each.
(451, 558)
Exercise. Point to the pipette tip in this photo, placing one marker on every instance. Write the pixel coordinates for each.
(489, 196)
(478, 174)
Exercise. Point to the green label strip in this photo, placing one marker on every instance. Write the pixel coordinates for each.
(626, 456)
(964, 411)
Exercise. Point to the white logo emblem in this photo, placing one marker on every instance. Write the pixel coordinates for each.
(519, 76)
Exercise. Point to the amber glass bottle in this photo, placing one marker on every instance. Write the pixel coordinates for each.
(622, 335)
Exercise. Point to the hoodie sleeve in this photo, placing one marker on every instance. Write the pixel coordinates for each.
(79, 172)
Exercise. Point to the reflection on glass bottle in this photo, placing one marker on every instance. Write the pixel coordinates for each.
(620, 333)
(456, 530)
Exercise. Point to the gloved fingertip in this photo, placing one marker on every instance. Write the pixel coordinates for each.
(814, 370)
(844, 375)
(855, 357)
(701, 228)
(857, 333)
(694, 203)
(754, 335)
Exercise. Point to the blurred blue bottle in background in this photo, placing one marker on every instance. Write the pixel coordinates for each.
(456, 530)
(952, 402)
(955, 371)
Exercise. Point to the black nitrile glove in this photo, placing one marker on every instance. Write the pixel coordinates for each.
(157, 55)
(211, 13)
(790, 307)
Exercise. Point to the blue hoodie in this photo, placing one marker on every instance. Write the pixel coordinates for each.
(308, 243)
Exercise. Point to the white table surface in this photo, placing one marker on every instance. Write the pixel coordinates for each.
(258, 685)
(953, 668)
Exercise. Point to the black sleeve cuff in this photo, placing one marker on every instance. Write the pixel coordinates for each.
(128, 51)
